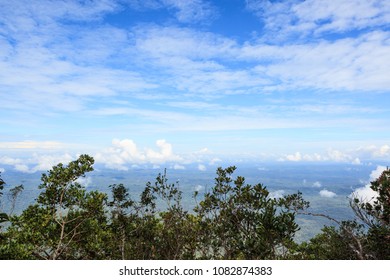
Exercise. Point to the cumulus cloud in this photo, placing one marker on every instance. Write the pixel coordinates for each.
(317, 184)
(125, 152)
(46, 162)
(165, 153)
(327, 194)
(36, 163)
(9, 160)
(374, 151)
(295, 157)
(202, 167)
(18, 164)
(366, 194)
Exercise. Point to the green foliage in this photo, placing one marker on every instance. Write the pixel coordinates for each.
(2, 183)
(174, 228)
(376, 217)
(242, 221)
(376, 212)
(332, 243)
(143, 231)
(234, 220)
(3, 216)
(369, 239)
(65, 223)
(13, 195)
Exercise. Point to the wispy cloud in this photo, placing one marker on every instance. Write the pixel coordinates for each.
(189, 11)
(100, 70)
(32, 145)
(316, 17)
(185, 11)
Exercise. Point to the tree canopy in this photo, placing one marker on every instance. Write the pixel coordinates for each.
(234, 220)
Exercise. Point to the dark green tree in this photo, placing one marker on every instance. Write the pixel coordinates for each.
(366, 237)
(66, 222)
(3, 216)
(375, 216)
(14, 193)
(333, 243)
(123, 212)
(242, 221)
(176, 234)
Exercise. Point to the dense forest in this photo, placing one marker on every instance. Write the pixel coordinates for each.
(234, 220)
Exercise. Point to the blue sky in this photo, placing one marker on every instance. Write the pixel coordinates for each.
(173, 82)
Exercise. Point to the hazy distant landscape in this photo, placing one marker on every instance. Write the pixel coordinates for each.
(326, 186)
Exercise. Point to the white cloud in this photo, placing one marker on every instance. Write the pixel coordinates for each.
(340, 65)
(317, 184)
(199, 188)
(53, 66)
(22, 168)
(179, 167)
(190, 11)
(342, 15)
(202, 167)
(58, 63)
(366, 194)
(2, 170)
(327, 194)
(186, 11)
(375, 174)
(339, 156)
(307, 59)
(49, 145)
(18, 13)
(313, 17)
(295, 157)
(124, 152)
(165, 153)
(84, 181)
(18, 164)
(46, 162)
(214, 161)
(277, 194)
(373, 151)
(9, 160)
(37, 162)
(356, 161)
(353, 156)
